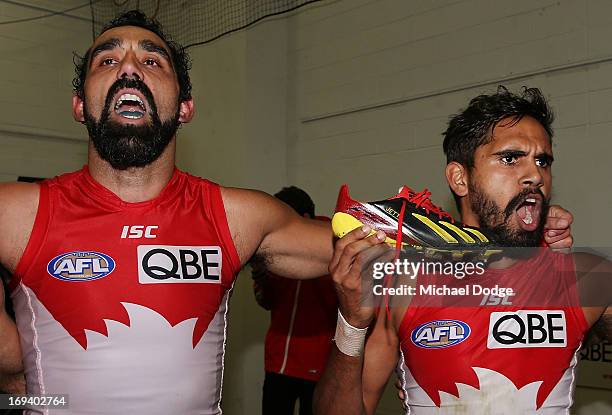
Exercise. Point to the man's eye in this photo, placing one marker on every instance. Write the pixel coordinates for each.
(542, 163)
(107, 61)
(508, 159)
(150, 61)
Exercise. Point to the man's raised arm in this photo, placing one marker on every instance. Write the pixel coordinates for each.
(288, 244)
(355, 378)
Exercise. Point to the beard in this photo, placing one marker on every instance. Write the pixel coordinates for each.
(497, 221)
(124, 145)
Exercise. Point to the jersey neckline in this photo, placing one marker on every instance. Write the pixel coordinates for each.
(104, 195)
(523, 265)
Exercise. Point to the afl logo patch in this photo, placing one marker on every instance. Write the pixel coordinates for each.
(439, 334)
(81, 266)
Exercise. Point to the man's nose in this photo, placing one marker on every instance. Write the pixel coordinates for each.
(532, 176)
(130, 67)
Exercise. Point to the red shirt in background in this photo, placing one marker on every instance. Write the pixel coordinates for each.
(303, 323)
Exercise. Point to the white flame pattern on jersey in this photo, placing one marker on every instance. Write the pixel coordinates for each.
(497, 395)
(147, 367)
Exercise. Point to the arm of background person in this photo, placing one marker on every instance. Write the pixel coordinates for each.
(289, 245)
(18, 207)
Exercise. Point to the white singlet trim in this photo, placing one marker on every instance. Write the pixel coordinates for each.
(228, 294)
(35, 343)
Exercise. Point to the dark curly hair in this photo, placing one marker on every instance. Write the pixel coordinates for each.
(180, 58)
(473, 127)
(297, 199)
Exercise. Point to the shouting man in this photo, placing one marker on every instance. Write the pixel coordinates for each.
(458, 357)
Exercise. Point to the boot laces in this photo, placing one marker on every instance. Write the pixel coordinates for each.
(421, 200)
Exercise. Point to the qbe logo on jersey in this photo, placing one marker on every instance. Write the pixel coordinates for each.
(526, 329)
(439, 334)
(179, 264)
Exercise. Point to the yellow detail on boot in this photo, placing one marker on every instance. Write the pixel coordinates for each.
(477, 234)
(467, 238)
(343, 223)
(436, 228)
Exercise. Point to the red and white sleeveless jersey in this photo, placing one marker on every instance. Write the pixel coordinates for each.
(516, 356)
(123, 306)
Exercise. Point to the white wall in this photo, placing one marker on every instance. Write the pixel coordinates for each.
(238, 136)
(38, 136)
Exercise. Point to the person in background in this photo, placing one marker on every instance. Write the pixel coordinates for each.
(302, 325)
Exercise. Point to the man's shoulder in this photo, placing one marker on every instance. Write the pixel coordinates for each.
(18, 196)
(241, 195)
(19, 203)
(251, 203)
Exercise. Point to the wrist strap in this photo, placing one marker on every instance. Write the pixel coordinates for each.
(349, 340)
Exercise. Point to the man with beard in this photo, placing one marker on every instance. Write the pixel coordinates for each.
(463, 352)
(123, 270)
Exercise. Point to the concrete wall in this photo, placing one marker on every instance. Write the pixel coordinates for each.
(38, 136)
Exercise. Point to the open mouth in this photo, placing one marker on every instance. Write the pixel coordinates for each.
(528, 213)
(130, 106)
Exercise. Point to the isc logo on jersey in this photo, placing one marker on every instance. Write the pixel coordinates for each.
(439, 334)
(526, 329)
(81, 266)
(165, 264)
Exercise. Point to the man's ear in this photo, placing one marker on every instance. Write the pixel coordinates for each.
(186, 111)
(456, 176)
(77, 109)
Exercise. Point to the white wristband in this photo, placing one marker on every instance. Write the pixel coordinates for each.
(349, 340)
